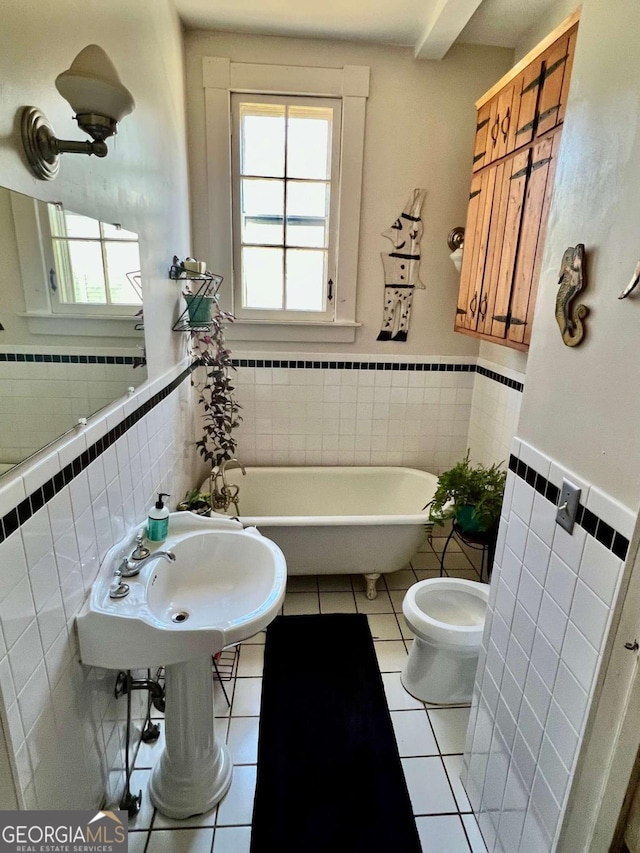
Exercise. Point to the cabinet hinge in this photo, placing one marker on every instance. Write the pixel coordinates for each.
(534, 84)
(509, 320)
(540, 163)
(548, 112)
(474, 194)
(482, 124)
(521, 173)
(479, 157)
(526, 127)
(551, 68)
(460, 310)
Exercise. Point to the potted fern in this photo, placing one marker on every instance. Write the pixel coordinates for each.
(195, 501)
(472, 495)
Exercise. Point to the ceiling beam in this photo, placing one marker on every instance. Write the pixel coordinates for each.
(446, 22)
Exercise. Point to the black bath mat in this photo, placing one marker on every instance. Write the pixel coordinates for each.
(329, 775)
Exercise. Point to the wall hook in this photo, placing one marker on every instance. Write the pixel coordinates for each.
(632, 284)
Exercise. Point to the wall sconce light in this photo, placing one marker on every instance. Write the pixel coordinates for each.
(455, 241)
(99, 100)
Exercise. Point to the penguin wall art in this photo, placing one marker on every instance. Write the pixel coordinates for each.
(402, 269)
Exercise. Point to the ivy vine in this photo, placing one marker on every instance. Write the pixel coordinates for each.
(216, 392)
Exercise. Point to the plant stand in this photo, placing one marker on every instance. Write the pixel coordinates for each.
(206, 286)
(485, 542)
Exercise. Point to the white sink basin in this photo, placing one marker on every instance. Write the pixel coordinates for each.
(225, 585)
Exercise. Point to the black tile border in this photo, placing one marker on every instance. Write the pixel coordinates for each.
(35, 501)
(589, 521)
(420, 367)
(498, 377)
(298, 364)
(50, 358)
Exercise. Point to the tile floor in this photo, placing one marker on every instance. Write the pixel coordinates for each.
(430, 741)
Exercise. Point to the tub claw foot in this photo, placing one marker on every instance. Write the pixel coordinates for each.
(371, 580)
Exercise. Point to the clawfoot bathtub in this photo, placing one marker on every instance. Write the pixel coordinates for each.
(338, 520)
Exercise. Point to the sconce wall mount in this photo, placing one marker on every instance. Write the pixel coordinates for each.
(92, 86)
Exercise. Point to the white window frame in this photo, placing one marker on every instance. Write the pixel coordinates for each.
(31, 223)
(61, 258)
(287, 315)
(221, 78)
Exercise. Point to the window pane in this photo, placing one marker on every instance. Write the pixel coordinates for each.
(121, 259)
(309, 142)
(307, 214)
(87, 273)
(305, 280)
(262, 139)
(81, 226)
(114, 232)
(262, 278)
(262, 211)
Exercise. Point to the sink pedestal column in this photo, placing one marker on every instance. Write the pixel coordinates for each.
(194, 770)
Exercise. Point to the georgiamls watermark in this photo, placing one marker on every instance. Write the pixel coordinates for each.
(63, 832)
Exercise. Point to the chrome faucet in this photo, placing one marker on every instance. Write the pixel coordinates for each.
(129, 568)
(223, 496)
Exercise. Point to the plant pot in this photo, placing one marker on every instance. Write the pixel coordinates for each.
(199, 508)
(467, 521)
(199, 308)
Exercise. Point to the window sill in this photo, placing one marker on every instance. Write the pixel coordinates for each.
(270, 330)
(117, 326)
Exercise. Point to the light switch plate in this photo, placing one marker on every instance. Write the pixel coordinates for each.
(568, 505)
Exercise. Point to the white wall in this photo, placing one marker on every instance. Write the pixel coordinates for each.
(419, 133)
(64, 730)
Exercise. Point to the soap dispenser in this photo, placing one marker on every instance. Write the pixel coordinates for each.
(158, 522)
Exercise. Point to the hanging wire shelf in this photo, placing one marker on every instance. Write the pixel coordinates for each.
(203, 288)
(135, 280)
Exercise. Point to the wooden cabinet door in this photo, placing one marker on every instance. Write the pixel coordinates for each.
(557, 62)
(475, 250)
(544, 221)
(500, 129)
(482, 136)
(523, 124)
(508, 200)
(532, 232)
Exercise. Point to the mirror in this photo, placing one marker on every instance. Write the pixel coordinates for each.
(71, 339)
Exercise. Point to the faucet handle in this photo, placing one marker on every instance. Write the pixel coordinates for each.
(140, 552)
(118, 589)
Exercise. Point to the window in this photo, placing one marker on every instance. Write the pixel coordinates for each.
(285, 184)
(283, 199)
(93, 264)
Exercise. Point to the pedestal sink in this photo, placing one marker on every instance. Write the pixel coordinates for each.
(225, 585)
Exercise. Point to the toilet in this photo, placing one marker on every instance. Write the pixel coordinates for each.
(447, 617)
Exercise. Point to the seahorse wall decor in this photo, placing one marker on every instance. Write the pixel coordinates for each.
(402, 269)
(571, 281)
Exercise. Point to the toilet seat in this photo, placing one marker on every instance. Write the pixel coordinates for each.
(447, 610)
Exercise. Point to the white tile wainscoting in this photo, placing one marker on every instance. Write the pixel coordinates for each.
(495, 412)
(60, 513)
(320, 409)
(65, 732)
(42, 398)
(551, 602)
